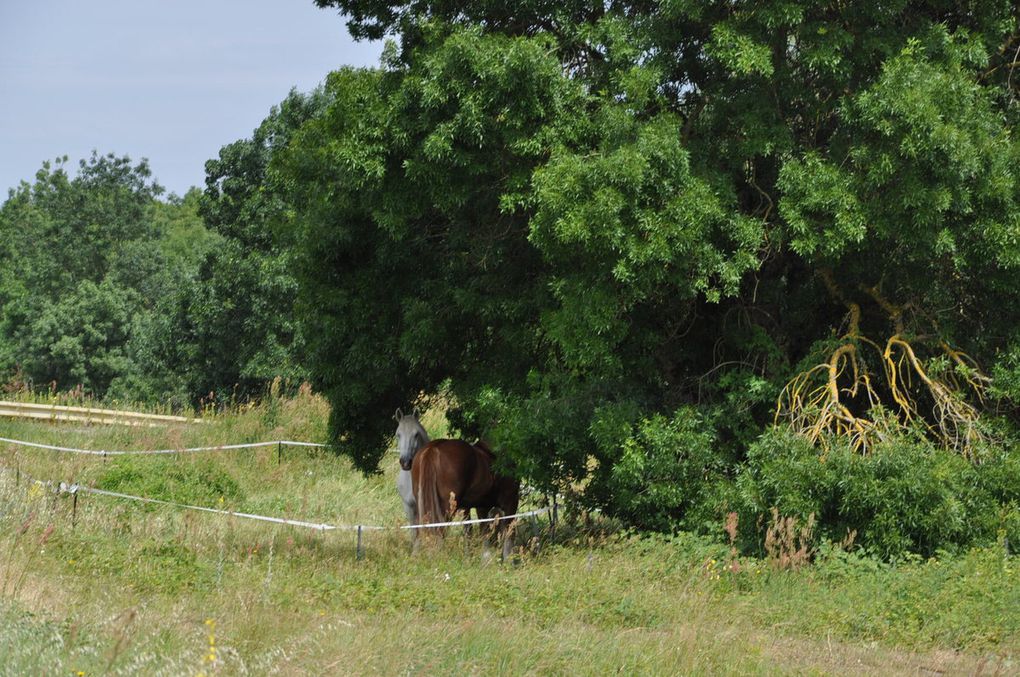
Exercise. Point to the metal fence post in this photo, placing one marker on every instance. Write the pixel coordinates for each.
(360, 553)
(279, 453)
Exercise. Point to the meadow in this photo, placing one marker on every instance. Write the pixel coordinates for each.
(128, 588)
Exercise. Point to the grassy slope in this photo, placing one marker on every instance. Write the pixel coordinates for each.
(131, 588)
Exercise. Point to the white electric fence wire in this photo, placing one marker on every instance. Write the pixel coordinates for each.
(243, 515)
(75, 487)
(480, 520)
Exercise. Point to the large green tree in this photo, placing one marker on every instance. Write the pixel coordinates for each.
(585, 216)
(229, 329)
(79, 260)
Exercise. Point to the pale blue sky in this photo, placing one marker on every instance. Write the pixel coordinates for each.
(172, 81)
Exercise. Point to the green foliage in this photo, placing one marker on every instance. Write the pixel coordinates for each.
(403, 245)
(228, 329)
(1006, 376)
(105, 287)
(82, 337)
(584, 218)
(630, 207)
(185, 239)
(663, 469)
(81, 268)
(904, 497)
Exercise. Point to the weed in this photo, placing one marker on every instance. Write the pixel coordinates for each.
(787, 544)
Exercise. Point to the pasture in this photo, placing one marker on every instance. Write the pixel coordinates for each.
(148, 589)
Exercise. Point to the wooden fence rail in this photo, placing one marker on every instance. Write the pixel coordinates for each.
(57, 413)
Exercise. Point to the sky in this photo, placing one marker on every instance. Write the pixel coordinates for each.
(169, 81)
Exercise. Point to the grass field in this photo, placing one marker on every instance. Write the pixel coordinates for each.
(143, 589)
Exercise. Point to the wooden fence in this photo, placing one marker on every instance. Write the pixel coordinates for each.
(57, 413)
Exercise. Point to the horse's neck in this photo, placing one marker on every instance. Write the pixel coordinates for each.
(481, 446)
(423, 437)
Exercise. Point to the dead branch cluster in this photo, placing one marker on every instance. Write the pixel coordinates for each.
(844, 397)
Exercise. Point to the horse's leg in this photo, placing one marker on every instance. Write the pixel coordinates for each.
(412, 513)
(508, 538)
(493, 529)
(509, 501)
(413, 519)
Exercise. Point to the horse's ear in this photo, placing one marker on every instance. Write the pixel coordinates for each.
(417, 412)
(398, 414)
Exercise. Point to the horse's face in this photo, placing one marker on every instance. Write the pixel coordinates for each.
(411, 437)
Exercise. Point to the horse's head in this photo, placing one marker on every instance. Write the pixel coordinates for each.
(411, 436)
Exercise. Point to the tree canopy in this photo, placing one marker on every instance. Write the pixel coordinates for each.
(79, 262)
(582, 219)
(111, 290)
(230, 329)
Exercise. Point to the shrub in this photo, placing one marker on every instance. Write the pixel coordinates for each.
(905, 497)
(664, 466)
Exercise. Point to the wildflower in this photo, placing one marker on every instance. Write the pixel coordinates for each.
(35, 490)
(211, 656)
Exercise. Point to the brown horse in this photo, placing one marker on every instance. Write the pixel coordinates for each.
(453, 469)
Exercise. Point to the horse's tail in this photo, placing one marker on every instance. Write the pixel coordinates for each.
(430, 508)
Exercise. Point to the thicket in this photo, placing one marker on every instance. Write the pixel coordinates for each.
(629, 238)
(674, 259)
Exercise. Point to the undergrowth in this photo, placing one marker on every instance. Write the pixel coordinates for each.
(130, 588)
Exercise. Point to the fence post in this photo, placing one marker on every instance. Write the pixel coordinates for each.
(74, 508)
(279, 453)
(555, 515)
(359, 552)
(17, 475)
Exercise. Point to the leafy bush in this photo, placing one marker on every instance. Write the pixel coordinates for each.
(662, 469)
(905, 497)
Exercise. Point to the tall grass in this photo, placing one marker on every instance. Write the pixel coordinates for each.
(142, 589)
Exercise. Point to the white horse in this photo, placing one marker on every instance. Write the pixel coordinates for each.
(411, 437)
